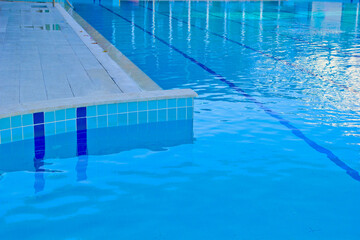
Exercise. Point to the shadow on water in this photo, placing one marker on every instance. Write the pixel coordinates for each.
(31, 155)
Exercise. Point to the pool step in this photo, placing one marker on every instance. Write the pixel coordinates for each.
(42, 119)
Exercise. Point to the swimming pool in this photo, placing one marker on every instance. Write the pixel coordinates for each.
(273, 152)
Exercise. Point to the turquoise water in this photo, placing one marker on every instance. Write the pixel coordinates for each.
(273, 152)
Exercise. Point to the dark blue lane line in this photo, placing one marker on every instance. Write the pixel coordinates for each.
(81, 131)
(304, 70)
(281, 34)
(331, 156)
(82, 147)
(39, 145)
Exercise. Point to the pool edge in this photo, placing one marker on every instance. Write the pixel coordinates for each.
(136, 74)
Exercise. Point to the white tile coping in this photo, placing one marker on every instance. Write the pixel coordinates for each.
(125, 83)
(56, 104)
(124, 72)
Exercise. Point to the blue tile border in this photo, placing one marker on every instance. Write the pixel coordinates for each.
(16, 121)
(27, 120)
(60, 115)
(81, 124)
(81, 112)
(5, 123)
(57, 121)
(70, 113)
(49, 116)
(81, 130)
(38, 117)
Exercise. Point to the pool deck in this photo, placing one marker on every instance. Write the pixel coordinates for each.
(47, 60)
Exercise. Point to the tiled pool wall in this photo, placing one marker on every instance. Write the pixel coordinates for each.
(41, 124)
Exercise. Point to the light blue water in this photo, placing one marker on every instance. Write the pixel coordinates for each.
(274, 150)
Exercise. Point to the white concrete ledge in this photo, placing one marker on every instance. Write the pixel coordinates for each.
(142, 80)
(122, 79)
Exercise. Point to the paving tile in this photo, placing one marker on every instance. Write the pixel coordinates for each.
(56, 84)
(90, 63)
(102, 81)
(39, 65)
(80, 83)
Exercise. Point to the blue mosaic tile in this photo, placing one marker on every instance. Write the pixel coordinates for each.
(49, 129)
(162, 104)
(133, 118)
(172, 114)
(81, 112)
(4, 123)
(142, 106)
(91, 122)
(181, 102)
(81, 118)
(181, 113)
(189, 102)
(60, 115)
(171, 103)
(132, 106)
(5, 136)
(122, 119)
(82, 143)
(102, 121)
(142, 117)
(28, 132)
(189, 112)
(152, 105)
(152, 116)
(91, 111)
(49, 117)
(112, 109)
(112, 120)
(81, 124)
(39, 130)
(39, 150)
(16, 121)
(101, 110)
(71, 125)
(27, 120)
(60, 127)
(16, 134)
(162, 115)
(122, 107)
(70, 113)
(38, 117)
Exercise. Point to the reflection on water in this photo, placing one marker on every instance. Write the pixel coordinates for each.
(81, 166)
(278, 30)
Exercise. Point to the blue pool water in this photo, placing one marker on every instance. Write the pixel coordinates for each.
(273, 152)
